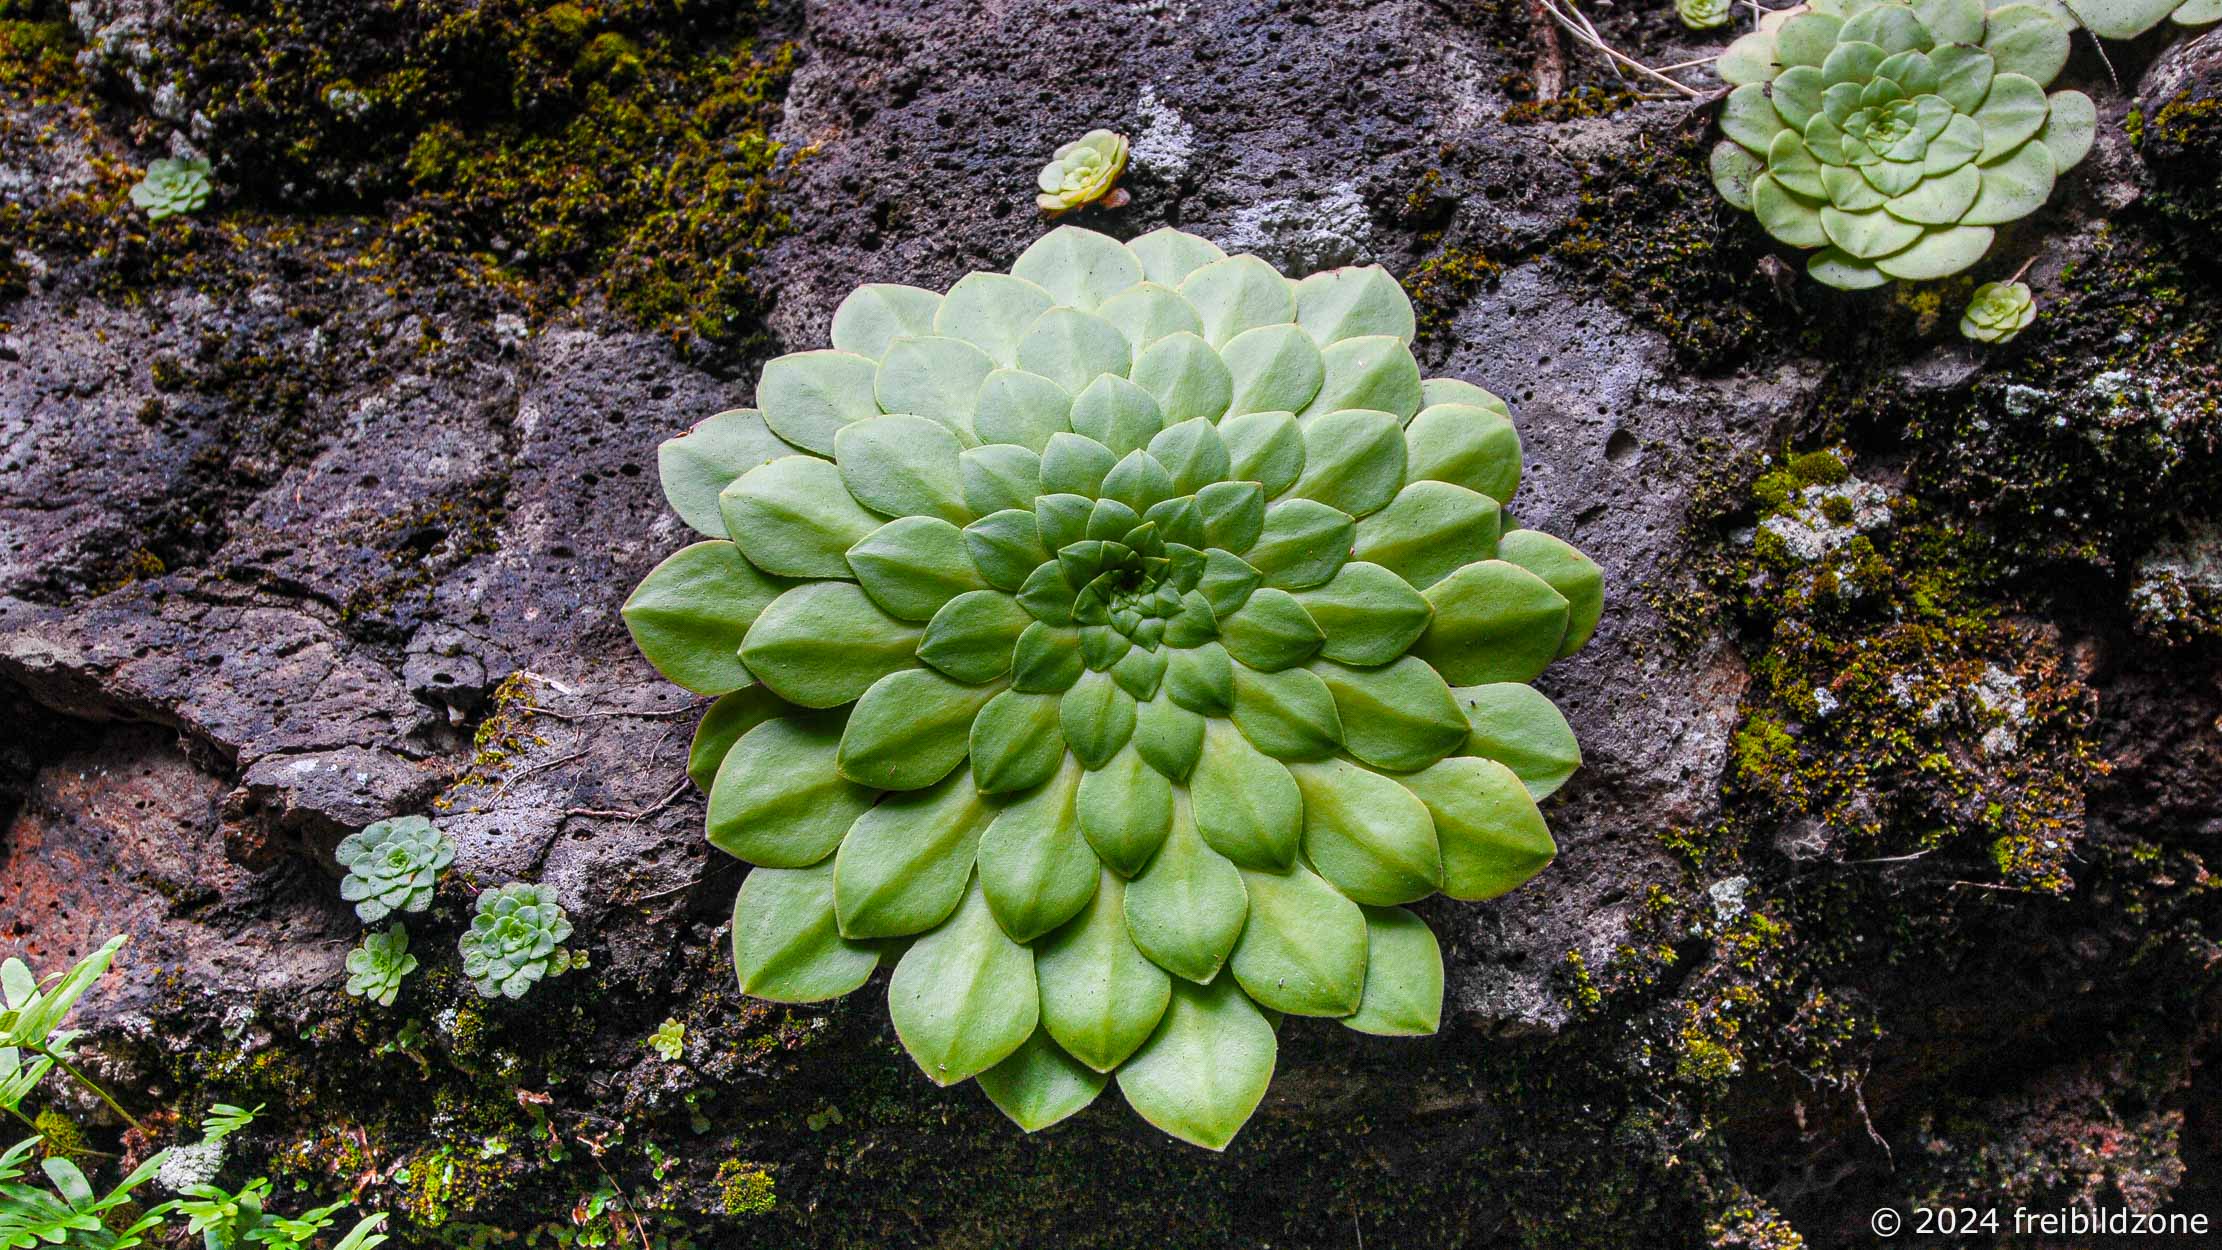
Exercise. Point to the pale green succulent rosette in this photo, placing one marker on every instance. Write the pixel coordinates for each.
(376, 969)
(1082, 172)
(515, 940)
(1124, 640)
(172, 187)
(1896, 137)
(2127, 19)
(394, 865)
(1998, 311)
(1704, 14)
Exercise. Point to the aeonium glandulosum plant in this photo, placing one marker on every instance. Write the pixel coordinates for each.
(1118, 644)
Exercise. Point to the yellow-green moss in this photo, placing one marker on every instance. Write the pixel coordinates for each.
(60, 1138)
(745, 1188)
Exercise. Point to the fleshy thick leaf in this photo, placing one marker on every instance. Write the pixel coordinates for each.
(1125, 809)
(823, 644)
(1429, 531)
(1079, 267)
(1016, 742)
(874, 316)
(1518, 727)
(1491, 834)
(1404, 976)
(903, 866)
(1466, 445)
(808, 396)
(1353, 303)
(1374, 372)
(910, 729)
(1303, 948)
(1353, 459)
(1246, 804)
(1038, 1084)
(795, 518)
(1369, 615)
(786, 946)
(913, 565)
(1397, 716)
(963, 996)
(1304, 542)
(1494, 621)
(689, 614)
(1367, 834)
(1035, 867)
(1101, 998)
(1206, 1067)
(933, 377)
(778, 800)
(1186, 910)
(973, 635)
(722, 726)
(700, 463)
(903, 466)
(1573, 575)
(1289, 715)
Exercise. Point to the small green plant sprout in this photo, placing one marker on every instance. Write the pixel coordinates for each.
(2127, 19)
(1704, 14)
(516, 939)
(376, 968)
(1119, 644)
(172, 187)
(1998, 312)
(239, 1221)
(1085, 171)
(394, 865)
(67, 1212)
(1895, 138)
(669, 1040)
(32, 1042)
(224, 1119)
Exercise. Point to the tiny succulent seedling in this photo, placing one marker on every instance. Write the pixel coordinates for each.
(669, 1039)
(1704, 14)
(393, 865)
(1896, 137)
(376, 968)
(516, 939)
(1083, 172)
(1998, 311)
(2127, 19)
(172, 187)
(1120, 643)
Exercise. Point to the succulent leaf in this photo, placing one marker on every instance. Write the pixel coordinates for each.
(1128, 635)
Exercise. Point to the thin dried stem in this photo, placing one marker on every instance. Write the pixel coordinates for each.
(1568, 16)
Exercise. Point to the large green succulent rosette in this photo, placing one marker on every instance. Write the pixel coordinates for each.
(1897, 137)
(1120, 644)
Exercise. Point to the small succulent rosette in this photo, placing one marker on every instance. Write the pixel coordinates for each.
(172, 187)
(1998, 311)
(1704, 14)
(1083, 172)
(394, 865)
(515, 940)
(2127, 19)
(1119, 644)
(1895, 137)
(376, 969)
